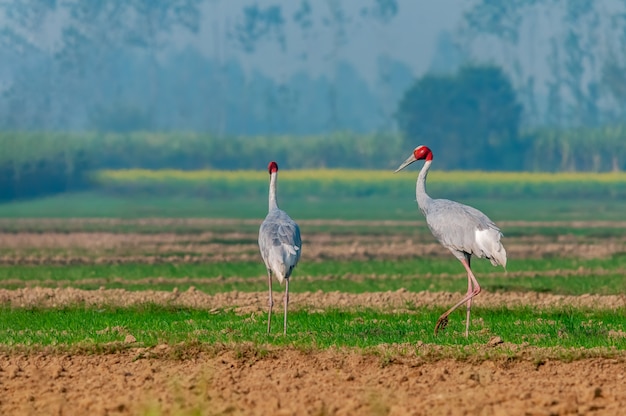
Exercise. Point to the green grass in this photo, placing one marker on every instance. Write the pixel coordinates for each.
(152, 325)
(600, 276)
(96, 205)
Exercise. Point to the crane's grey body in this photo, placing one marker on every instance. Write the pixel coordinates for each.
(462, 229)
(280, 245)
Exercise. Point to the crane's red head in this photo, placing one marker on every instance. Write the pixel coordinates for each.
(272, 167)
(420, 153)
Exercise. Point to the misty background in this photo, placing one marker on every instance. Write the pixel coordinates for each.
(224, 67)
(524, 85)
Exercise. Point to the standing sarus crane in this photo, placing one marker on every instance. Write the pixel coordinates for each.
(280, 245)
(462, 229)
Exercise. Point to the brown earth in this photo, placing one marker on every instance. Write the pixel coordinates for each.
(247, 302)
(290, 382)
(108, 248)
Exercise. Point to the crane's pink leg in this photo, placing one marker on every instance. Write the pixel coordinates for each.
(473, 289)
(271, 301)
(286, 300)
(468, 304)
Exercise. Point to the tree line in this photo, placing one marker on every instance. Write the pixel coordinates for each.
(193, 93)
(34, 164)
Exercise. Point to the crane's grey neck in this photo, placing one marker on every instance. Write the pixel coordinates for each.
(272, 199)
(423, 200)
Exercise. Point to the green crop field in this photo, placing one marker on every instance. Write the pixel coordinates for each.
(177, 269)
(152, 325)
(576, 276)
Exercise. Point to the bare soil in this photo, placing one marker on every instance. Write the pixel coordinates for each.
(107, 247)
(288, 382)
(246, 302)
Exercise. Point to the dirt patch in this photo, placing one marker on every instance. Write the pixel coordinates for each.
(246, 302)
(111, 248)
(288, 382)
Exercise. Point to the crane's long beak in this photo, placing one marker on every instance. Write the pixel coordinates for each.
(406, 163)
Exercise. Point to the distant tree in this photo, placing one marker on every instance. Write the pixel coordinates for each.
(258, 24)
(580, 41)
(314, 19)
(394, 77)
(120, 118)
(448, 56)
(472, 117)
(614, 80)
(85, 36)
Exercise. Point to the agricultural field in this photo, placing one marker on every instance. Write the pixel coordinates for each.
(126, 301)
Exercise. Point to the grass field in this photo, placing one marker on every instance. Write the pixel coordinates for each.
(160, 263)
(575, 277)
(153, 325)
(102, 276)
(97, 205)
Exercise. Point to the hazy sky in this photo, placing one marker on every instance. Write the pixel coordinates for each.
(409, 37)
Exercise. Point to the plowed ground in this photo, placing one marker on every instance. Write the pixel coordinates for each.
(241, 379)
(287, 382)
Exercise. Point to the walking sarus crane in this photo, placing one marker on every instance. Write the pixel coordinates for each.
(462, 229)
(280, 245)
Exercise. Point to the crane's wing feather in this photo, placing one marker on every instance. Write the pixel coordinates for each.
(464, 229)
(280, 243)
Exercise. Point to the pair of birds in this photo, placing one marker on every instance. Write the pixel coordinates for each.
(462, 229)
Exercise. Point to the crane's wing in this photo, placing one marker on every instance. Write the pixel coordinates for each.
(280, 243)
(464, 229)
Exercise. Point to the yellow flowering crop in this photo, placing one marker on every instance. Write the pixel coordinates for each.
(351, 175)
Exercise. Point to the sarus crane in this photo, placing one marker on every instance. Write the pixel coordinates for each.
(462, 229)
(280, 245)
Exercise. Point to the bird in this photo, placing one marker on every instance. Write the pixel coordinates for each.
(462, 229)
(280, 245)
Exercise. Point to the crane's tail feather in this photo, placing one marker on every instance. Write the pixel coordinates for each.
(498, 257)
(290, 249)
(283, 259)
(489, 243)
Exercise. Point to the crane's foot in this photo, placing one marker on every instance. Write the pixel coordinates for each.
(441, 323)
